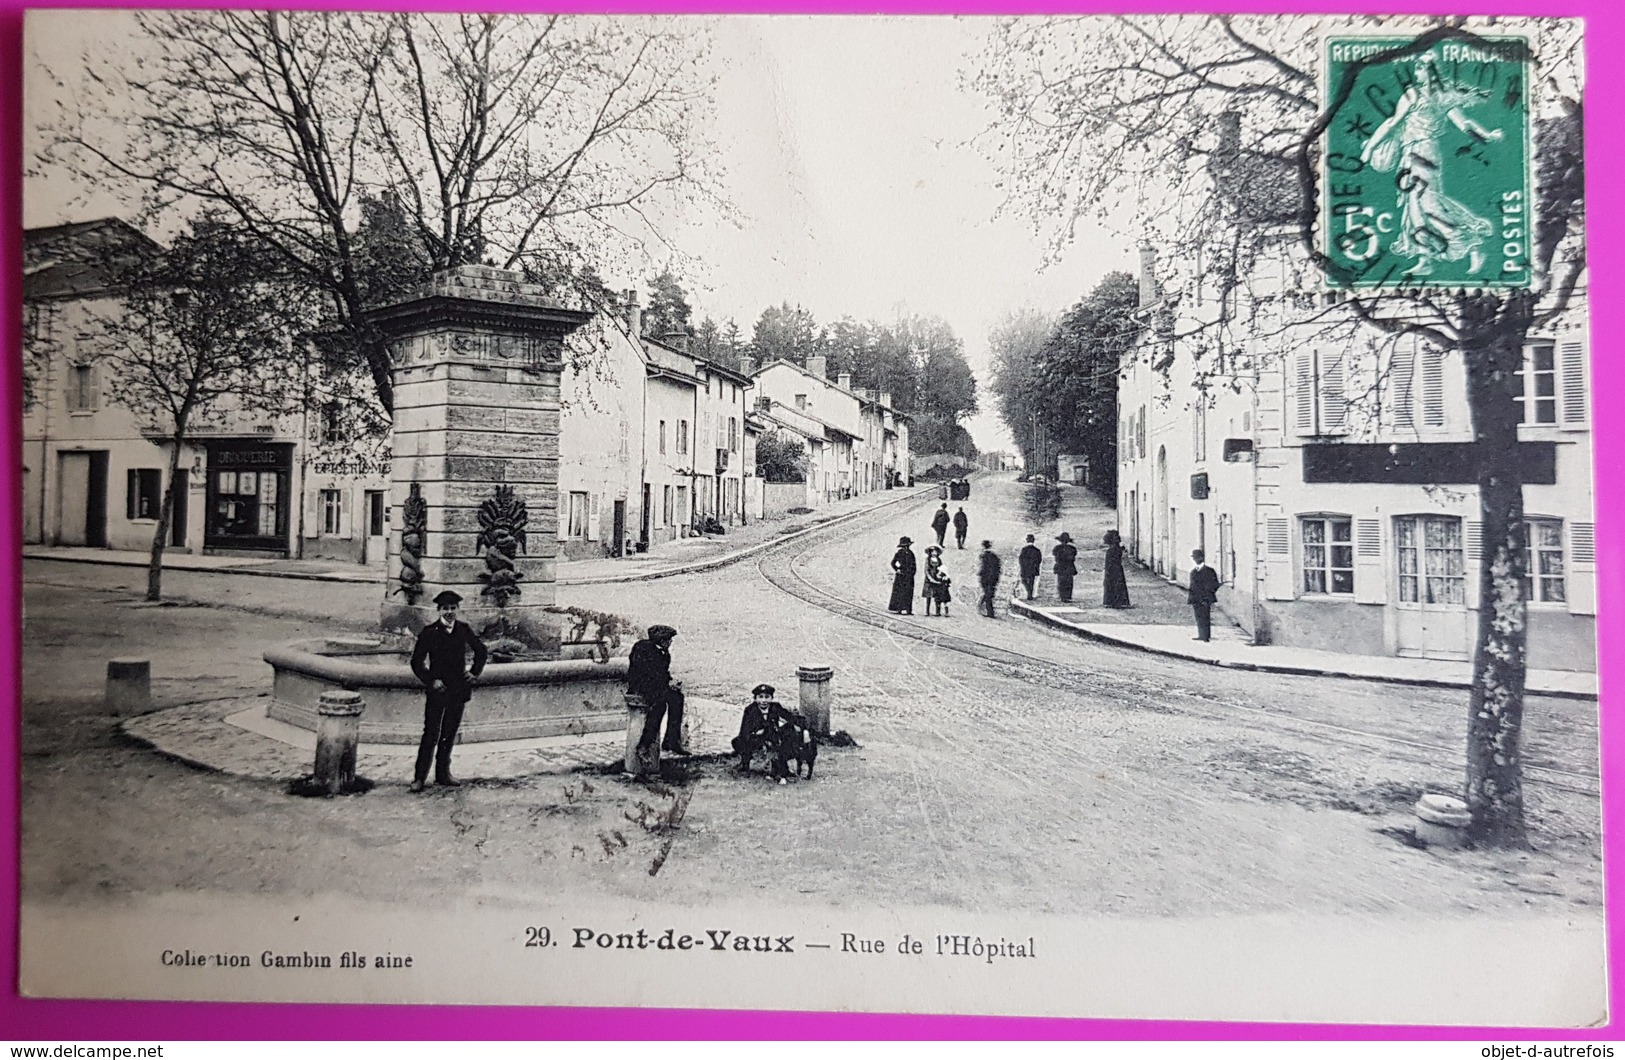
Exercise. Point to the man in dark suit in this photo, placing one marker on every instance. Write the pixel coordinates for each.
(648, 674)
(1204, 593)
(939, 523)
(961, 526)
(439, 659)
(987, 573)
(1031, 561)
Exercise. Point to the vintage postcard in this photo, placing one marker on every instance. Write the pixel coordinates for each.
(1084, 516)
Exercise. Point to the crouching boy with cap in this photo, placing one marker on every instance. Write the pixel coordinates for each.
(440, 660)
(782, 733)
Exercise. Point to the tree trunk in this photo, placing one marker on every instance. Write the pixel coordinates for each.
(166, 509)
(1495, 712)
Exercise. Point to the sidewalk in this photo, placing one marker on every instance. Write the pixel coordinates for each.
(686, 555)
(1160, 622)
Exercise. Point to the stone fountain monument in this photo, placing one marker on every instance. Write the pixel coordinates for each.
(477, 354)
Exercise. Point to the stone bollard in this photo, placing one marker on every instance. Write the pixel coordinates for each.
(815, 697)
(1441, 821)
(338, 732)
(129, 685)
(639, 763)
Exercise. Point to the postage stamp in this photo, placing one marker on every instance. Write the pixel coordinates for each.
(1425, 179)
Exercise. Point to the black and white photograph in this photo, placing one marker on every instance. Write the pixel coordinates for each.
(1084, 516)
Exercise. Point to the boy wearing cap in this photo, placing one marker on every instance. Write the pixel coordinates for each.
(759, 725)
(648, 674)
(439, 659)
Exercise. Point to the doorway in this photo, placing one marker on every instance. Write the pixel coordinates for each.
(177, 514)
(82, 511)
(643, 522)
(376, 543)
(619, 518)
(1431, 615)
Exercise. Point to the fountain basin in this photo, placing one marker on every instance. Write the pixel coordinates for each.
(512, 701)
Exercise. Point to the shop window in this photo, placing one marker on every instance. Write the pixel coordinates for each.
(332, 507)
(1328, 555)
(1543, 583)
(143, 493)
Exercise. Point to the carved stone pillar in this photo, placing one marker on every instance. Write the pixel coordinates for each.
(477, 356)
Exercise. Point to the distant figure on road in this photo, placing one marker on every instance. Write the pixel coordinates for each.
(938, 590)
(961, 526)
(987, 572)
(902, 583)
(438, 660)
(1204, 593)
(1116, 589)
(1031, 561)
(942, 491)
(648, 674)
(1066, 566)
(939, 523)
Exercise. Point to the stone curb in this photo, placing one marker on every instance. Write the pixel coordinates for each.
(1021, 607)
(297, 575)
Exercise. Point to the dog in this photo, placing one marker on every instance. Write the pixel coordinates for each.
(793, 742)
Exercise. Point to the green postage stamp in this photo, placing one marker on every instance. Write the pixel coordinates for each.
(1425, 176)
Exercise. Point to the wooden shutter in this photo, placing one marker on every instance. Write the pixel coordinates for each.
(592, 517)
(1472, 566)
(313, 513)
(346, 514)
(1370, 573)
(1278, 583)
(1580, 578)
(1401, 376)
(1432, 386)
(1332, 393)
(1571, 370)
(1304, 393)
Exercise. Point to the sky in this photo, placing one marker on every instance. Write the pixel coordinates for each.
(855, 184)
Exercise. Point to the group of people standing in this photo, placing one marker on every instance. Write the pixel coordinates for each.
(1065, 568)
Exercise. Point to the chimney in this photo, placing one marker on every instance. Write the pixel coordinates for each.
(818, 366)
(1148, 274)
(676, 339)
(634, 314)
(844, 380)
(885, 398)
(747, 364)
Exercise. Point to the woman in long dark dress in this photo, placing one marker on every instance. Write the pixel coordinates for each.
(1116, 593)
(902, 583)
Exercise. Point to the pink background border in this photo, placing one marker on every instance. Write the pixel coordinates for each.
(24, 1019)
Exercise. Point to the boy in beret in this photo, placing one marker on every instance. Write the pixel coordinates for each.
(440, 660)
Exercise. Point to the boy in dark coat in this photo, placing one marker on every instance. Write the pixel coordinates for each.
(939, 523)
(1030, 561)
(961, 526)
(438, 659)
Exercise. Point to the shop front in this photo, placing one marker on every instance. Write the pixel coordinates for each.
(248, 497)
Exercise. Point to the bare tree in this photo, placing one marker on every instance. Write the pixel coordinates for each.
(1200, 134)
(205, 331)
(532, 143)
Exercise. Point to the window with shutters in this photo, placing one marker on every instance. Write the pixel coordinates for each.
(1543, 581)
(1432, 387)
(1536, 384)
(81, 388)
(1328, 554)
(577, 526)
(142, 493)
(1139, 431)
(332, 504)
(682, 437)
(332, 423)
(1401, 388)
(662, 436)
(1321, 395)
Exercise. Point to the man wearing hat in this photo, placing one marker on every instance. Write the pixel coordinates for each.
(439, 658)
(939, 523)
(1030, 560)
(987, 572)
(648, 674)
(1066, 566)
